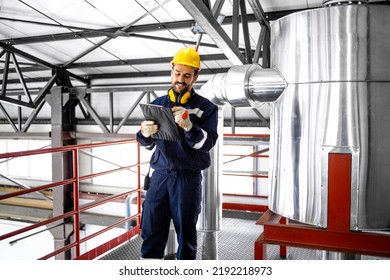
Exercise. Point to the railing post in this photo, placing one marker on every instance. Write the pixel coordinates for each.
(139, 202)
(76, 184)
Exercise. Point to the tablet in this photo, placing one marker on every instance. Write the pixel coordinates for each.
(164, 118)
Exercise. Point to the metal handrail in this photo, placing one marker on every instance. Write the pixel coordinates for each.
(64, 148)
(241, 203)
(79, 209)
(75, 182)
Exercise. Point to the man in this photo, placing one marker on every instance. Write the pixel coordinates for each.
(175, 185)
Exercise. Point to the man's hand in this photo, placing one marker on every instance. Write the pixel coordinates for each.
(148, 128)
(182, 117)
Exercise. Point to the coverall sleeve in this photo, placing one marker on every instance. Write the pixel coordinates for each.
(203, 135)
(147, 143)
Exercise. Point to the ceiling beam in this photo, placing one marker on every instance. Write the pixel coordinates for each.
(259, 13)
(124, 62)
(144, 28)
(26, 55)
(180, 41)
(140, 61)
(12, 101)
(62, 26)
(245, 31)
(113, 76)
(205, 19)
(25, 69)
(123, 30)
(98, 33)
(148, 74)
(35, 59)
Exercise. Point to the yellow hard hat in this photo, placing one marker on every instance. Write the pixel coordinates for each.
(187, 56)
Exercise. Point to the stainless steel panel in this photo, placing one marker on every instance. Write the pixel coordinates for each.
(340, 43)
(338, 95)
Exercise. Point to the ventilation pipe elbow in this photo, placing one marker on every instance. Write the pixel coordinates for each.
(245, 86)
(241, 86)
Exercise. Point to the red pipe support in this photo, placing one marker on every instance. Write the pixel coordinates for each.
(94, 253)
(338, 236)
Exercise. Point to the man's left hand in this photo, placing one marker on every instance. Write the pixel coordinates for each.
(182, 117)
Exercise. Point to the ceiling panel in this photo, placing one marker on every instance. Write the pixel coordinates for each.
(121, 12)
(19, 10)
(10, 28)
(70, 12)
(173, 11)
(60, 52)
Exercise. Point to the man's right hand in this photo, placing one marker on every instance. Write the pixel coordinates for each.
(148, 128)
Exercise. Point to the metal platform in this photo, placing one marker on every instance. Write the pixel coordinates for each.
(235, 241)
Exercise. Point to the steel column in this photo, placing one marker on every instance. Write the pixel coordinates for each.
(63, 122)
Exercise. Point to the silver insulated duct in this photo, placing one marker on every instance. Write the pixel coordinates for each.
(245, 86)
(241, 86)
(329, 91)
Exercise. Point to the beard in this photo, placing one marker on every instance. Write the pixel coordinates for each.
(180, 90)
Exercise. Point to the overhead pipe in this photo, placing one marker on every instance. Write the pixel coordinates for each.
(245, 86)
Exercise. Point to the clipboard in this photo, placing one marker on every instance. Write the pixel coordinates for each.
(164, 118)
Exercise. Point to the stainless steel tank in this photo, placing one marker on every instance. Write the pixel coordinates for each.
(336, 63)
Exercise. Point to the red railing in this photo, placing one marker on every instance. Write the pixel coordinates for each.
(77, 208)
(246, 202)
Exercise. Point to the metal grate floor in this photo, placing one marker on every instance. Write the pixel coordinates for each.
(235, 242)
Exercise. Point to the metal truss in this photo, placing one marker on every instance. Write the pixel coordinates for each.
(200, 13)
(207, 20)
(204, 15)
(83, 96)
(60, 76)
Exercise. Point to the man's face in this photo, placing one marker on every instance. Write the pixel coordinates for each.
(183, 77)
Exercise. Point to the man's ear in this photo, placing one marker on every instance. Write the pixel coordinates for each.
(196, 78)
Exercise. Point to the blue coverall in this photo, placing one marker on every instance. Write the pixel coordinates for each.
(175, 185)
